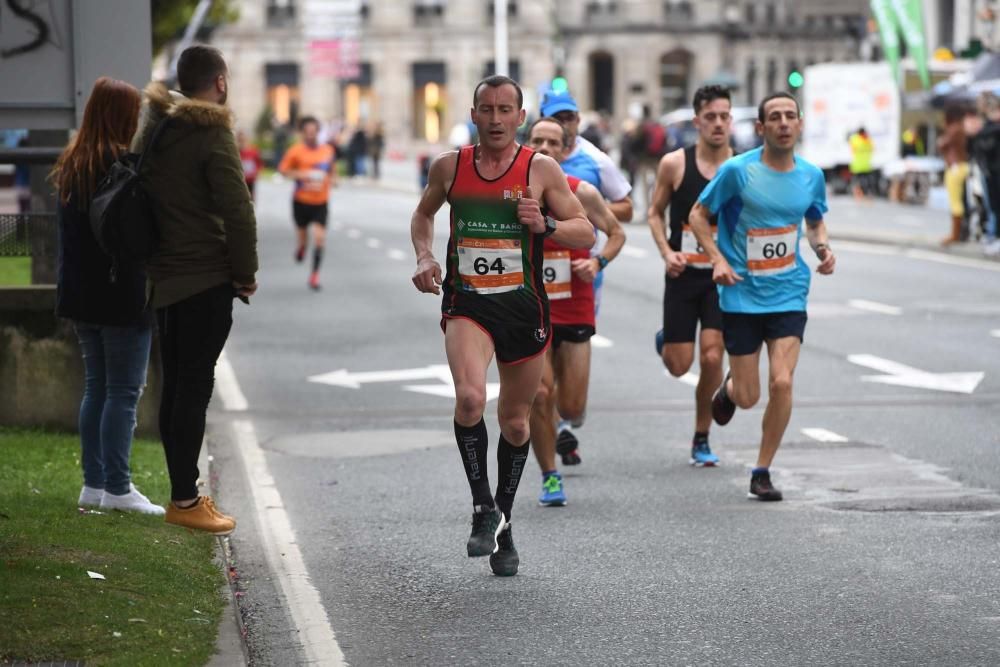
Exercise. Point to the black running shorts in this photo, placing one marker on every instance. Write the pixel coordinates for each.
(571, 333)
(745, 332)
(688, 299)
(306, 214)
(511, 343)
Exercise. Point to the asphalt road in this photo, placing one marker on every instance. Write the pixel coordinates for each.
(884, 551)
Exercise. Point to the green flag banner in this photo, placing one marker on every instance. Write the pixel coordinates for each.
(885, 18)
(910, 18)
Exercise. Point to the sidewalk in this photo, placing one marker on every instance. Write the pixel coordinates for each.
(873, 221)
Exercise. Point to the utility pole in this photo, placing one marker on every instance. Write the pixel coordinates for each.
(501, 60)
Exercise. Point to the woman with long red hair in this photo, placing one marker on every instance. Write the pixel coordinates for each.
(108, 310)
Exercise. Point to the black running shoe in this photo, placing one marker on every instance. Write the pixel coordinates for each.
(483, 540)
(567, 446)
(723, 407)
(760, 487)
(504, 560)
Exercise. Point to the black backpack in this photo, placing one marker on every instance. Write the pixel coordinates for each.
(121, 215)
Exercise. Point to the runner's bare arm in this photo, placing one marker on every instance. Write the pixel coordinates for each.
(427, 277)
(601, 217)
(722, 273)
(573, 230)
(819, 242)
(671, 165)
(622, 209)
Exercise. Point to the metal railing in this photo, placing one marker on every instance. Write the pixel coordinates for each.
(18, 230)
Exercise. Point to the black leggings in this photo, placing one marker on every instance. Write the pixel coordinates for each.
(192, 335)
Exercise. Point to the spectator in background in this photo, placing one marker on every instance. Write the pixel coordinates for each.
(207, 256)
(913, 145)
(108, 310)
(984, 148)
(250, 157)
(653, 146)
(630, 143)
(22, 181)
(862, 150)
(357, 152)
(952, 146)
(376, 145)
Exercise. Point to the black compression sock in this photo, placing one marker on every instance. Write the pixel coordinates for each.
(473, 445)
(700, 437)
(510, 460)
(317, 257)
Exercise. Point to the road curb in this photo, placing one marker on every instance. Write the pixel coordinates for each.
(230, 644)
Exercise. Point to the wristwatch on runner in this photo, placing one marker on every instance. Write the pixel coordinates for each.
(550, 226)
(602, 261)
(819, 247)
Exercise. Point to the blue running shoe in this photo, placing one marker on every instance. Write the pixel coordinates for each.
(702, 456)
(553, 494)
(659, 343)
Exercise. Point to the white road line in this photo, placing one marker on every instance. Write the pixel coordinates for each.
(396, 254)
(353, 233)
(598, 340)
(824, 435)
(875, 307)
(632, 251)
(913, 253)
(688, 378)
(229, 390)
(373, 243)
(995, 333)
(312, 626)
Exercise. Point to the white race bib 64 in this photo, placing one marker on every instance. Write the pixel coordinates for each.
(557, 274)
(771, 251)
(490, 266)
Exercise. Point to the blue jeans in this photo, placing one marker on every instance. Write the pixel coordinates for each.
(114, 363)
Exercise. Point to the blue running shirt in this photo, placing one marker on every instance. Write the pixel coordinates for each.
(760, 214)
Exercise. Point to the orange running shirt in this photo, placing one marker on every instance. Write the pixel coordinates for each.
(318, 161)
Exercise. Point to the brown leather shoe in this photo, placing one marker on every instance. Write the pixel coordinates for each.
(201, 516)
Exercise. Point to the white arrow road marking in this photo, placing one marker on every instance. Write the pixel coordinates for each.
(824, 435)
(343, 378)
(598, 340)
(373, 243)
(632, 251)
(448, 390)
(906, 376)
(875, 307)
(688, 378)
(995, 333)
(396, 254)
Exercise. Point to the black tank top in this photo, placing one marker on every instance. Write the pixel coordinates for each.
(685, 196)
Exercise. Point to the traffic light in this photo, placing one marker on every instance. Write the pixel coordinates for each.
(560, 85)
(795, 79)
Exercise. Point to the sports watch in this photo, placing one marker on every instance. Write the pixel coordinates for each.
(602, 261)
(550, 226)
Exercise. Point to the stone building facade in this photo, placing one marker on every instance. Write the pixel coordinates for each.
(419, 60)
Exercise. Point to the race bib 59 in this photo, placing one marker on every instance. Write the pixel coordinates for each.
(557, 274)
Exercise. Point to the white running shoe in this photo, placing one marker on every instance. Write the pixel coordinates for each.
(90, 497)
(133, 501)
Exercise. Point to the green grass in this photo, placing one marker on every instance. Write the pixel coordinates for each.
(15, 270)
(161, 602)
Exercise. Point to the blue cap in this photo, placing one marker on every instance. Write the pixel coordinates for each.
(553, 103)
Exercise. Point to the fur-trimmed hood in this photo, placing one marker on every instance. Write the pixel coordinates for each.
(161, 102)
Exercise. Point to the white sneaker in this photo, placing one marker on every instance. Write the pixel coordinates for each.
(133, 501)
(90, 497)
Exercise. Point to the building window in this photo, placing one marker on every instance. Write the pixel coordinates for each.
(772, 76)
(751, 13)
(513, 66)
(751, 82)
(601, 9)
(675, 69)
(678, 11)
(283, 94)
(770, 14)
(602, 81)
(428, 12)
(511, 11)
(280, 13)
(359, 97)
(365, 11)
(429, 95)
